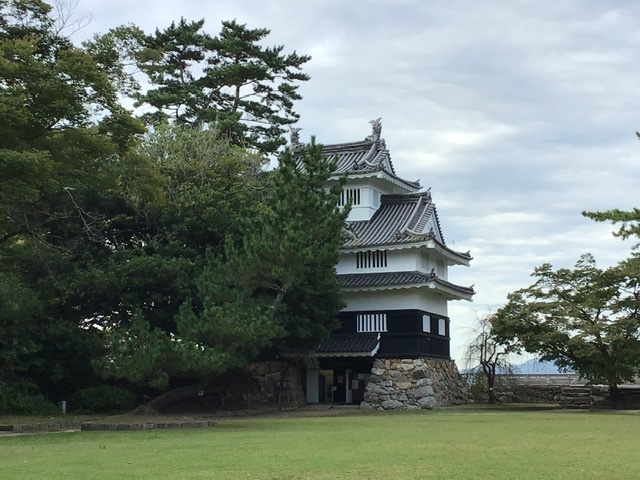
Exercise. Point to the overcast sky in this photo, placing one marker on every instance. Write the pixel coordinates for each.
(518, 114)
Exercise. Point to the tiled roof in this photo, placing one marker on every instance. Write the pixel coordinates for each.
(364, 157)
(349, 345)
(399, 220)
(399, 279)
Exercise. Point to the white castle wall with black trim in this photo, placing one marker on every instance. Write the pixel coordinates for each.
(392, 349)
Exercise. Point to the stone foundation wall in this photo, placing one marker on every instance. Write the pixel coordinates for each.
(568, 396)
(412, 384)
(525, 393)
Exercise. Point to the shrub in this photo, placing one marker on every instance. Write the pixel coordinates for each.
(16, 401)
(103, 399)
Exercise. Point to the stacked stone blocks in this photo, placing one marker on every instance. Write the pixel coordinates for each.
(414, 384)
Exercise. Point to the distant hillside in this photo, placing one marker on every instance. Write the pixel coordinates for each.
(537, 367)
(530, 367)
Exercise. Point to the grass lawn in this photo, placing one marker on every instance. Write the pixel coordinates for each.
(442, 444)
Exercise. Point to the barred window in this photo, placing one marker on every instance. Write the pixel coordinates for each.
(371, 259)
(372, 322)
(349, 195)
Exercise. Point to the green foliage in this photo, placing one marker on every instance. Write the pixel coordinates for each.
(17, 338)
(102, 399)
(116, 53)
(209, 186)
(230, 82)
(17, 400)
(51, 93)
(586, 319)
(478, 387)
(629, 221)
(161, 258)
(305, 228)
(63, 142)
(272, 285)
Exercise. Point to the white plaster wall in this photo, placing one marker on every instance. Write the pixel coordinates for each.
(431, 224)
(368, 204)
(370, 191)
(360, 213)
(346, 263)
(429, 259)
(407, 260)
(401, 299)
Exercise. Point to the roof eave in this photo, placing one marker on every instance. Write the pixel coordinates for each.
(344, 354)
(448, 292)
(399, 182)
(456, 257)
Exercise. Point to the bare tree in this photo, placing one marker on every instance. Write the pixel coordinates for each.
(67, 20)
(486, 356)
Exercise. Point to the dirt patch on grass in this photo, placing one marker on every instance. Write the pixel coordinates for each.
(133, 421)
(24, 425)
(147, 422)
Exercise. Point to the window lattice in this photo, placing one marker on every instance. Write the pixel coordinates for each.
(372, 322)
(349, 195)
(371, 259)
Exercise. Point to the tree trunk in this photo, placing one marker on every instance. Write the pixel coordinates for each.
(614, 396)
(490, 375)
(491, 380)
(155, 406)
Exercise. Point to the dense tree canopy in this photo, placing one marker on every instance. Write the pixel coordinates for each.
(272, 285)
(586, 319)
(229, 82)
(158, 257)
(63, 141)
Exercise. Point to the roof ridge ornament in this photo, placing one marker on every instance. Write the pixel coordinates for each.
(369, 158)
(376, 130)
(348, 232)
(412, 234)
(294, 138)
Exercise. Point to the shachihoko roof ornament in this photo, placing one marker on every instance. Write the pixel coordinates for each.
(294, 138)
(376, 130)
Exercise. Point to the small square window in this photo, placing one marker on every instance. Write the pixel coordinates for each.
(426, 323)
(442, 326)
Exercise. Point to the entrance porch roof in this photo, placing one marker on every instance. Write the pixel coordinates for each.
(349, 345)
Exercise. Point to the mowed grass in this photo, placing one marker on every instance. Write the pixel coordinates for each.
(443, 444)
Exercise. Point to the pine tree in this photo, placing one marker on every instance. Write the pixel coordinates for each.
(272, 287)
(229, 82)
